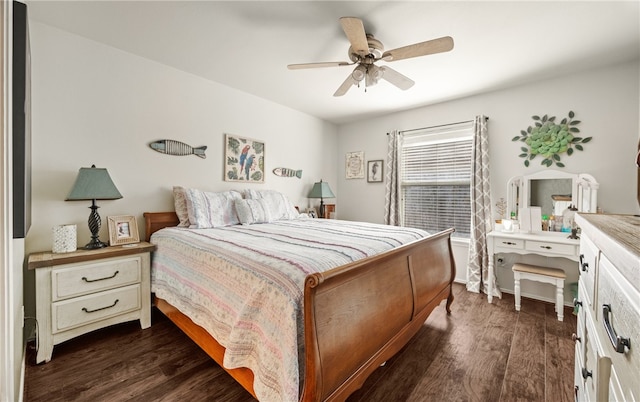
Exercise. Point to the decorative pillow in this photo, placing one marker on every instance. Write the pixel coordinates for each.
(210, 210)
(253, 211)
(277, 203)
(180, 203)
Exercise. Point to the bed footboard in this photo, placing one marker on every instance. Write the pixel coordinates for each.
(359, 315)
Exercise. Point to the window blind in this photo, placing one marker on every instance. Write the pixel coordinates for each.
(436, 179)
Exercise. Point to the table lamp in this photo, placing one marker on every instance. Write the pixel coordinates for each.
(93, 184)
(321, 190)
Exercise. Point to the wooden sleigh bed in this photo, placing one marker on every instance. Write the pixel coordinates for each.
(356, 316)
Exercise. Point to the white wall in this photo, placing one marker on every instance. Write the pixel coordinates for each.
(605, 100)
(94, 104)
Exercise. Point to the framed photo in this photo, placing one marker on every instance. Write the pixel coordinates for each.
(312, 212)
(354, 165)
(123, 229)
(374, 171)
(243, 159)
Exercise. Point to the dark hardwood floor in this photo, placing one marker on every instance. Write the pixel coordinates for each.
(481, 352)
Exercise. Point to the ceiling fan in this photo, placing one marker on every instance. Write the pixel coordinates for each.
(366, 50)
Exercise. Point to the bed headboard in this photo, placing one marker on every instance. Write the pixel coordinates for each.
(155, 221)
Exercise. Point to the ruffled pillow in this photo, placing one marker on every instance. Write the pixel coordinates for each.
(253, 211)
(277, 203)
(180, 205)
(211, 210)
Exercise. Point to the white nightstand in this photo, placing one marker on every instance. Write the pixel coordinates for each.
(85, 290)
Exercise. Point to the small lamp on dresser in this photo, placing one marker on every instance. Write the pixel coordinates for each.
(321, 190)
(94, 184)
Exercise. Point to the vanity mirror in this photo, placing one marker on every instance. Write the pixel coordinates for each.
(553, 191)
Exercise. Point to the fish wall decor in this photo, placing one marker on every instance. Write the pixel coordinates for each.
(173, 147)
(286, 172)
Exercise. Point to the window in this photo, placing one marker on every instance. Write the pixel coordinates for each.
(436, 178)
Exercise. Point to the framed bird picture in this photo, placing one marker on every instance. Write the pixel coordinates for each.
(244, 159)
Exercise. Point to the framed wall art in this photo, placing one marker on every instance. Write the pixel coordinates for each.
(374, 171)
(354, 165)
(123, 229)
(244, 159)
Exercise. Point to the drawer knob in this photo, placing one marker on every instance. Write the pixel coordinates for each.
(86, 310)
(575, 338)
(546, 247)
(84, 278)
(586, 373)
(576, 302)
(509, 243)
(618, 342)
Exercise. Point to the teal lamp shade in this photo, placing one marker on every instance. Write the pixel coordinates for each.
(321, 190)
(94, 184)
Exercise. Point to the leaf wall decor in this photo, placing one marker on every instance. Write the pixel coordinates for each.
(550, 139)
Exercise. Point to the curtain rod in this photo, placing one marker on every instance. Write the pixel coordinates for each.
(442, 125)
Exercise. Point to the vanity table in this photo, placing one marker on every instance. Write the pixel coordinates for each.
(540, 189)
(549, 244)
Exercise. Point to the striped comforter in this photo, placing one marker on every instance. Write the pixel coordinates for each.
(244, 285)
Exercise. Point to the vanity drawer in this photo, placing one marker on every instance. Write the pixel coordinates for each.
(81, 279)
(621, 316)
(551, 248)
(588, 265)
(507, 242)
(83, 310)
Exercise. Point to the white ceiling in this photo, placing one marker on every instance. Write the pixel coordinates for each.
(248, 44)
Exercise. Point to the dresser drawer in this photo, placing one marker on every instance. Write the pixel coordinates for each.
(85, 278)
(550, 248)
(83, 310)
(588, 265)
(622, 316)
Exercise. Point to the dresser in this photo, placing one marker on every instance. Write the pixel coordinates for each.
(607, 338)
(549, 244)
(85, 290)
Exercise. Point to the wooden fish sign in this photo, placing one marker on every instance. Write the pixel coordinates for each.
(172, 147)
(286, 172)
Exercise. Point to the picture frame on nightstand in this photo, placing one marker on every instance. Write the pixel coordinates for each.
(123, 229)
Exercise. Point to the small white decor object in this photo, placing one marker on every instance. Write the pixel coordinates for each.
(65, 238)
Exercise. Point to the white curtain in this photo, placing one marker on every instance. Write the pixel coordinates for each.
(478, 266)
(392, 179)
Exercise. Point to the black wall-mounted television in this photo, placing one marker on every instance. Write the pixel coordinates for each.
(21, 104)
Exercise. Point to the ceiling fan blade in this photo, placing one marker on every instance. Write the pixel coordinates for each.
(318, 65)
(354, 29)
(439, 45)
(342, 89)
(401, 81)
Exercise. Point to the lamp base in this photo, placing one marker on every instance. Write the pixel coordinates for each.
(94, 226)
(95, 244)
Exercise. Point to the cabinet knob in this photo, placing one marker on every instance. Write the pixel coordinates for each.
(576, 302)
(575, 338)
(586, 373)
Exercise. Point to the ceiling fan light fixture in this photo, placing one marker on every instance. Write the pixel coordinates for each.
(359, 73)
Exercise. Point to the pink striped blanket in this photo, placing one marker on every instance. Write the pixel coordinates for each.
(244, 285)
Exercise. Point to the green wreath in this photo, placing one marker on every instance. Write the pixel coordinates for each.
(548, 139)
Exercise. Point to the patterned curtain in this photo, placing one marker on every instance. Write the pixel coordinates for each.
(392, 186)
(478, 267)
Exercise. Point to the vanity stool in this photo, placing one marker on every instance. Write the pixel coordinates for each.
(552, 276)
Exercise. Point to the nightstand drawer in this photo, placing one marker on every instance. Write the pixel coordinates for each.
(81, 279)
(83, 310)
(551, 248)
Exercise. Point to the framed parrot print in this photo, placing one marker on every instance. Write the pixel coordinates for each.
(243, 159)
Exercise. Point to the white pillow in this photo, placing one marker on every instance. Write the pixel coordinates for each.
(180, 205)
(278, 204)
(210, 210)
(253, 211)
